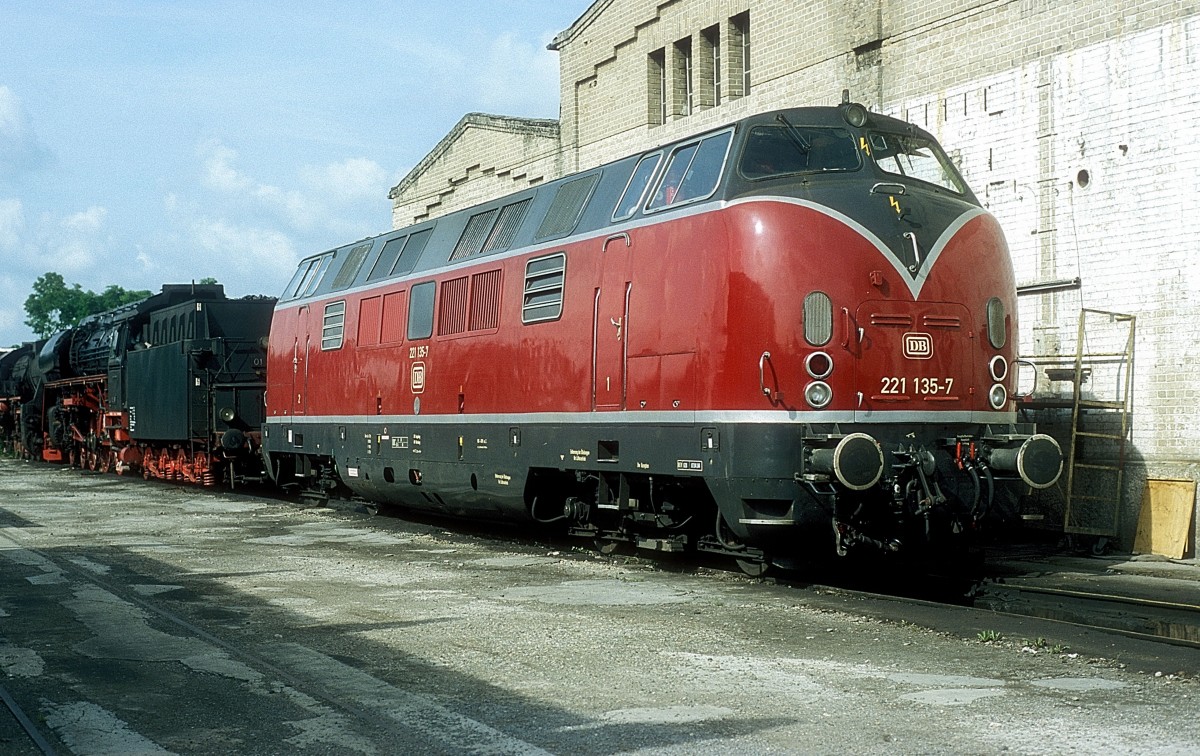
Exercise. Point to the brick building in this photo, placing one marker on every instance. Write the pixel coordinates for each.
(1073, 121)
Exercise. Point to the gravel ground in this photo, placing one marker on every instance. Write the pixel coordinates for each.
(138, 618)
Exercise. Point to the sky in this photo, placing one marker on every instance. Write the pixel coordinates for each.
(145, 142)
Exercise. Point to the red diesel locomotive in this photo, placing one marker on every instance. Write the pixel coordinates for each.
(794, 332)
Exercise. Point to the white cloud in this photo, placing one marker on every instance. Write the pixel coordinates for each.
(518, 77)
(256, 253)
(350, 180)
(221, 174)
(12, 223)
(88, 220)
(20, 150)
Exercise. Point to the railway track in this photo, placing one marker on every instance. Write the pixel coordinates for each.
(1173, 622)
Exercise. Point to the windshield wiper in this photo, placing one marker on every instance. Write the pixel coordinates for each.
(794, 133)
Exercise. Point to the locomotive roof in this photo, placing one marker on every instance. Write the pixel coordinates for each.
(544, 216)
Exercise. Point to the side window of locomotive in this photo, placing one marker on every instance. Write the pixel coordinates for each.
(387, 258)
(317, 276)
(705, 171)
(333, 326)
(635, 190)
(411, 253)
(567, 207)
(915, 157)
(420, 311)
(543, 294)
(668, 186)
(350, 266)
(300, 281)
(693, 171)
(784, 150)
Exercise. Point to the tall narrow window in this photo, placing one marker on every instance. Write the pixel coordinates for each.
(741, 30)
(683, 87)
(712, 65)
(656, 80)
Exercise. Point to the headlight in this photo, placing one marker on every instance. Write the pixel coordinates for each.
(817, 394)
(818, 365)
(998, 367)
(998, 397)
(855, 115)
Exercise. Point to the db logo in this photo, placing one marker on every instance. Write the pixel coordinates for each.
(918, 346)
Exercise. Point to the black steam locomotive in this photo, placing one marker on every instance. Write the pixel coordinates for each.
(170, 386)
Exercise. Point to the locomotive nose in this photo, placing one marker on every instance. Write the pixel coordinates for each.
(856, 461)
(1038, 460)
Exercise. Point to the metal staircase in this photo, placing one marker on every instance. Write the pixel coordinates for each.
(1100, 422)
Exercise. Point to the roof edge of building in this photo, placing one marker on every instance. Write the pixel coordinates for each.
(580, 24)
(542, 127)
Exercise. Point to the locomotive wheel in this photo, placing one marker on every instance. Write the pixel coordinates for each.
(608, 546)
(106, 460)
(93, 460)
(754, 567)
(147, 464)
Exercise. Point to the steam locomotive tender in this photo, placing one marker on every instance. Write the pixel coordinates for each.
(20, 385)
(170, 387)
(792, 333)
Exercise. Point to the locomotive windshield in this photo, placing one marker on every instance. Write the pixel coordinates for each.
(915, 157)
(786, 149)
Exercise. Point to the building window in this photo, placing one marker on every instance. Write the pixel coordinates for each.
(742, 25)
(657, 81)
(710, 84)
(737, 57)
(333, 326)
(683, 88)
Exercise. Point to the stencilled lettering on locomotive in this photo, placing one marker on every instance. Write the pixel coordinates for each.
(399, 442)
(689, 465)
(418, 377)
(132, 418)
(893, 385)
(481, 443)
(580, 455)
(416, 443)
(503, 479)
(418, 352)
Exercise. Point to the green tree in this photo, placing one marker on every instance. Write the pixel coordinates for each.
(53, 305)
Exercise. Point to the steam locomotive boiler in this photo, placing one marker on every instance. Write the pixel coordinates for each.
(170, 387)
(793, 334)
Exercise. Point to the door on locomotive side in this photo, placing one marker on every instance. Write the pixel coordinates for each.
(610, 326)
(300, 350)
(912, 357)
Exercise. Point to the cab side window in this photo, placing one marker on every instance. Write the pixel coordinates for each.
(693, 171)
